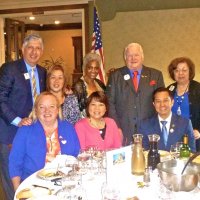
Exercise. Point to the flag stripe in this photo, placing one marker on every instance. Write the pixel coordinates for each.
(97, 46)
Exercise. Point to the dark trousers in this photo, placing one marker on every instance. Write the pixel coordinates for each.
(6, 181)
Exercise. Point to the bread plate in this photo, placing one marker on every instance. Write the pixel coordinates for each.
(33, 192)
(49, 174)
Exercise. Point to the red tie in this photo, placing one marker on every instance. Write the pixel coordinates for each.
(135, 80)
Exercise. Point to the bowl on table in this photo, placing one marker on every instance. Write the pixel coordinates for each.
(171, 177)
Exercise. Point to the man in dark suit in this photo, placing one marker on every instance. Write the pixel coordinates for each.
(17, 98)
(176, 126)
(129, 92)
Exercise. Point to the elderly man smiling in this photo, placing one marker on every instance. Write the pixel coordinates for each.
(130, 91)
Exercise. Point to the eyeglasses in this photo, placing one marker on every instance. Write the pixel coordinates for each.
(181, 70)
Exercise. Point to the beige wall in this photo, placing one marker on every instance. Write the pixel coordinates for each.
(59, 43)
(164, 35)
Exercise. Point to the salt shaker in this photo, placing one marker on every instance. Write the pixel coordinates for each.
(146, 177)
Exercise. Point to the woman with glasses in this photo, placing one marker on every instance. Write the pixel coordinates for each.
(186, 93)
(41, 142)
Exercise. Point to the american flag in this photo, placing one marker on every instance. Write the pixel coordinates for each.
(97, 46)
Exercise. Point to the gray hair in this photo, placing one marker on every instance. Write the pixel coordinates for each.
(137, 45)
(91, 57)
(33, 36)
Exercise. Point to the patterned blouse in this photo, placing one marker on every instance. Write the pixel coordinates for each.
(53, 145)
(70, 109)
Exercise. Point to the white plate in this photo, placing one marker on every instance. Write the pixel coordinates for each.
(33, 192)
(49, 174)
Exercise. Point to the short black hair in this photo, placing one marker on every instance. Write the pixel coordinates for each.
(162, 89)
(97, 96)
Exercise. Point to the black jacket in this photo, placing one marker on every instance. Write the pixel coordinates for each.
(80, 90)
(194, 105)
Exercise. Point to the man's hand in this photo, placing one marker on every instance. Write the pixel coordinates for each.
(25, 122)
(196, 134)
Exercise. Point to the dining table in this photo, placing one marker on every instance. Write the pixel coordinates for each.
(95, 186)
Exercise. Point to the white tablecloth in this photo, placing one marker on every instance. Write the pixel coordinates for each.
(93, 187)
(125, 183)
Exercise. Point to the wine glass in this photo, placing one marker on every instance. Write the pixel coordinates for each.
(99, 157)
(110, 192)
(83, 157)
(92, 150)
(175, 150)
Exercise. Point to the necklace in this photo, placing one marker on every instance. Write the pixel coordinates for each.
(99, 125)
(180, 99)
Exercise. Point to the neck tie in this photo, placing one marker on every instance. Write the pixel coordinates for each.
(135, 80)
(34, 90)
(164, 131)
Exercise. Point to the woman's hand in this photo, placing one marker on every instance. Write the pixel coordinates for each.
(121, 134)
(196, 134)
(16, 182)
(25, 122)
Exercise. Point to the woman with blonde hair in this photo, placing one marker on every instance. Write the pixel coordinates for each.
(41, 142)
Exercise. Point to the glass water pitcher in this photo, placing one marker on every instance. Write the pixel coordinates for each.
(138, 160)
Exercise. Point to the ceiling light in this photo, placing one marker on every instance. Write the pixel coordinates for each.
(57, 22)
(32, 18)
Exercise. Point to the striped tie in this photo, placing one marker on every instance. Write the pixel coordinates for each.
(34, 90)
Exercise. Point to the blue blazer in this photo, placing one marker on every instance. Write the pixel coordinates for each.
(178, 127)
(15, 96)
(28, 151)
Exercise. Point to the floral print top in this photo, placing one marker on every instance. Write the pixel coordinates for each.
(70, 109)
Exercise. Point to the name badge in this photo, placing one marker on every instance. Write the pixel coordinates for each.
(26, 76)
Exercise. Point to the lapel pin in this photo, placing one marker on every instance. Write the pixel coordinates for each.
(126, 77)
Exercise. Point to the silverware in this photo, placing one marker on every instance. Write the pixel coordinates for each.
(40, 186)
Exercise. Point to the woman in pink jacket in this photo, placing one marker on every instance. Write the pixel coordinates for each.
(96, 130)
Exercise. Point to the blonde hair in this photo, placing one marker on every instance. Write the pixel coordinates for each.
(39, 97)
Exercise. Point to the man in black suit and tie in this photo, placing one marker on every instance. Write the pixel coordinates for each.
(129, 92)
(20, 82)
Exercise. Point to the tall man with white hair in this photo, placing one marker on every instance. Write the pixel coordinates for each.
(20, 82)
(129, 92)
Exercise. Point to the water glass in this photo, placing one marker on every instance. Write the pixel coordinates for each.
(175, 150)
(110, 192)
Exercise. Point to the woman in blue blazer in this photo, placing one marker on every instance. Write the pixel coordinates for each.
(39, 143)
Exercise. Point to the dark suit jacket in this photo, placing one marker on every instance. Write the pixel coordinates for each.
(194, 104)
(15, 96)
(128, 107)
(179, 126)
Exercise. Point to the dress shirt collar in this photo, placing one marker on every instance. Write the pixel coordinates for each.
(28, 67)
(168, 120)
(139, 72)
